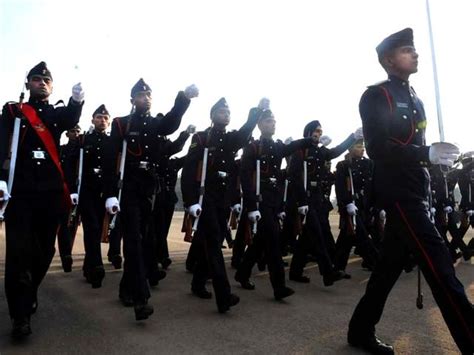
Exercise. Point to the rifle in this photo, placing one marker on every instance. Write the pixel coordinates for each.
(13, 153)
(72, 215)
(201, 188)
(187, 227)
(257, 193)
(122, 169)
(350, 187)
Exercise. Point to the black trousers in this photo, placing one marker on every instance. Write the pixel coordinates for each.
(163, 218)
(311, 241)
(409, 227)
(31, 223)
(208, 253)
(327, 233)
(238, 249)
(268, 237)
(134, 222)
(66, 236)
(346, 240)
(92, 210)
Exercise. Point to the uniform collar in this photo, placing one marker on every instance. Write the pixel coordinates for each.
(36, 102)
(396, 80)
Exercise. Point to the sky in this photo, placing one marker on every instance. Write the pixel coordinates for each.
(313, 59)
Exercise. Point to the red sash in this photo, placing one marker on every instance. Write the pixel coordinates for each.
(47, 139)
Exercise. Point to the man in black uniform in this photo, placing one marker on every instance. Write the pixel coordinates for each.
(353, 192)
(394, 124)
(39, 191)
(70, 221)
(90, 198)
(311, 203)
(140, 131)
(266, 208)
(214, 211)
(466, 186)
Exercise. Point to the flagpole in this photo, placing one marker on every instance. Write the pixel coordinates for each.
(435, 75)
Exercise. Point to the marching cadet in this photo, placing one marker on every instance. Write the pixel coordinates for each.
(353, 192)
(466, 186)
(211, 204)
(263, 197)
(166, 199)
(442, 184)
(134, 138)
(394, 124)
(306, 171)
(38, 189)
(70, 221)
(88, 195)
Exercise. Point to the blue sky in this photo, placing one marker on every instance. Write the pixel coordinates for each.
(313, 59)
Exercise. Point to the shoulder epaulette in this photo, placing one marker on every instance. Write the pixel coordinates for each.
(60, 102)
(379, 83)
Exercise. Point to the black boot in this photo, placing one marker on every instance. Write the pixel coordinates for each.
(143, 311)
(202, 293)
(95, 276)
(332, 277)
(283, 293)
(116, 261)
(245, 283)
(20, 328)
(233, 300)
(66, 262)
(300, 278)
(371, 344)
(155, 277)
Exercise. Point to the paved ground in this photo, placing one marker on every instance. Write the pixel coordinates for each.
(75, 319)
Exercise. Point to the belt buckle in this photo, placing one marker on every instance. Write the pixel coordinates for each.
(272, 180)
(143, 165)
(97, 170)
(39, 154)
(222, 174)
(313, 183)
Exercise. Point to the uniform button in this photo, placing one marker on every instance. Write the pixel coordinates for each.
(220, 139)
(416, 130)
(222, 150)
(133, 140)
(415, 111)
(98, 157)
(223, 162)
(274, 166)
(99, 166)
(144, 134)
(405, 117)
(98, 148)
(40, 110)
(38, 163)
(271, 156)
(23, 126)
(99, 139)
(146, 147)
(144, 123)
(146, 158)
(412, 95)
(100, 176)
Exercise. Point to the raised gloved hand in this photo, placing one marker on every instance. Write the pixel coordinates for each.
(4, 189)
(303, 210)
(77, 93)
(237, 208)
(288, 140)
(74, 198)
(191, 91)
(351, 208)
(358, 134)
(254, 216)
(448, 209)
(443, 153)
(195, 210)
(325, 140)
(191, 129)
(469, 213)
(282, 215)
(383, 215)
(433, 211)
(264, 103)
(112, 205)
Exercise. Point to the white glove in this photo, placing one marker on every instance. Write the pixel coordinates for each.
(303, 210)
(351, 209)
(195, 210)
(4, 188)
(78, 93)
(383, 215)
(191, 129)
(74, 198)
(191, 91)
(325, 140)
(112, 205)
(448, 209)
(254, 216)
(288, 140)
(443, 153)
(264, 104)
(358, 134)
(282, 215)
(236, 208)
(470, 213)
(433, 211)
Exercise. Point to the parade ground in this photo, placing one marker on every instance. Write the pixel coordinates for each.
(73, 318)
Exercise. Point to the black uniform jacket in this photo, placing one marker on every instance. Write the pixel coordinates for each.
(222, 147)
(270, 153)
(143, 133)
(394, 125)
(35, 175)
(317, 158)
